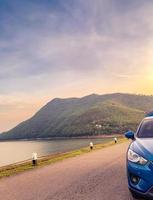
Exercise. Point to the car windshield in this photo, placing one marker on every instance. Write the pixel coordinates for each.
(146, 129)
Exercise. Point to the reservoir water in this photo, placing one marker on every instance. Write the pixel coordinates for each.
(17, 151)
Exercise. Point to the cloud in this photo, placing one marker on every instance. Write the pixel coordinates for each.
(63, 48)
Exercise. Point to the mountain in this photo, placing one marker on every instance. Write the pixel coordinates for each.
(90, 115)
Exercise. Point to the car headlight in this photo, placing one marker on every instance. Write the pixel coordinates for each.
(135, 158)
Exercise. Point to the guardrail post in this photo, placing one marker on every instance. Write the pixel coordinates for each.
(34, 159)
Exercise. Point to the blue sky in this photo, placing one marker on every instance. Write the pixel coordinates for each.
(62, 48)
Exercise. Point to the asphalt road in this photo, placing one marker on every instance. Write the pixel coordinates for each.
(99, 175)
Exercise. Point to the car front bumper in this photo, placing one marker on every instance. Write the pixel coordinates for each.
(147, 195)
(144, 174)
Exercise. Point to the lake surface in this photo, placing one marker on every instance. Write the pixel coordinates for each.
(17, 151)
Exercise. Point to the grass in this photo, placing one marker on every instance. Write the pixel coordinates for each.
(47, 160)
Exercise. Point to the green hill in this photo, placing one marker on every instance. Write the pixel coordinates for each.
(90, 115)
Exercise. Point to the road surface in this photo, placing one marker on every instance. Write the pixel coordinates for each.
(99, 175)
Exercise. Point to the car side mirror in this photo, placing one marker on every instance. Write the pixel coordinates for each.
(129, 135)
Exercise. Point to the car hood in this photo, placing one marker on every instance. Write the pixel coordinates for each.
(143, 147)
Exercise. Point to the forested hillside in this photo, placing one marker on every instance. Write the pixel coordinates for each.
(90, 115)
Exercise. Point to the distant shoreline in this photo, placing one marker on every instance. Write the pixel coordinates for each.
(65, 138)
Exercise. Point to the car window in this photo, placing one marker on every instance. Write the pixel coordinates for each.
(146, 129)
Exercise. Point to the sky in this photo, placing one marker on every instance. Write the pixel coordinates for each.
(71, 48)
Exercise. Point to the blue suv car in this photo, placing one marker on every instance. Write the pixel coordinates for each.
(140, 160)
